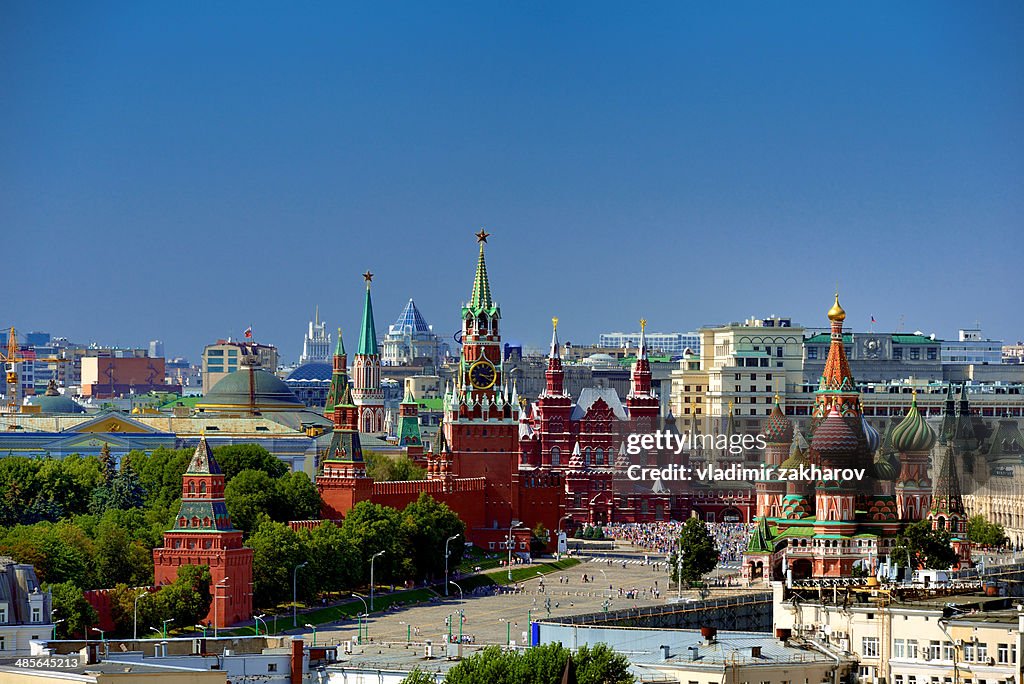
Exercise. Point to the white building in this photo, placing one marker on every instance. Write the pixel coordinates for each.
(24, 609)
(971, 347)
(316, 345)
(672, 344)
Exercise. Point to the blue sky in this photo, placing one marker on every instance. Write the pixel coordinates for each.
(183, 170)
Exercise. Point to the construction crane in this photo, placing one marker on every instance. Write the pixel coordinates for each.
(10, 360)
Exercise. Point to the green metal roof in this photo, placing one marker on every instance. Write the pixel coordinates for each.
(825, 338)
(368, 331)
(431, 404)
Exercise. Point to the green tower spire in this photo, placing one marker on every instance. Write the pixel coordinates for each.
(338, 394)
(367, 332)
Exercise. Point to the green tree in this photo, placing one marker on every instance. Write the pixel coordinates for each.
(418, 676)
(298, 498)
(160, 474)
(332, 558)
(69, 605)
(387, 468)
(601, 665)
(250, 495)
(924, 547)
(539, 539)
(428, 524)
(236, 458)
(119, 558)
(276, 549)
(700, 554)
(373, 528)
(187, 599)
(984, 533)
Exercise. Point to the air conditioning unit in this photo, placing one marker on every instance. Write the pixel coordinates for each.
(990, 661)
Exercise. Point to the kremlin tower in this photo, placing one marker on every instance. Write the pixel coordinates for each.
(367, 394)
(203, 535)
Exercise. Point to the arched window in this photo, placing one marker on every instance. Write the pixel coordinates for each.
(202, 487)
(586, 456)
(599, 456)
(191, 487)
(556, 456)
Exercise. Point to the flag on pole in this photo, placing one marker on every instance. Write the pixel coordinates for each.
(248, 332)
(873, 319)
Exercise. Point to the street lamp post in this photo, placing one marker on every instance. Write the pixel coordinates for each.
(165, 626)
(202, 627)
(372, 559)
(511, 542)
(295, 607)
(135, 624)
(258, 619)
(366, 608)
(461, 599)
(216, 622)
(55, 623)
(454, 536)
(312, 627)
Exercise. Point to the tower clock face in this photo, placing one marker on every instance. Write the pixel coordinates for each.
(482, 374)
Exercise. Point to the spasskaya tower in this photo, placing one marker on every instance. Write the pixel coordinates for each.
(480, 420)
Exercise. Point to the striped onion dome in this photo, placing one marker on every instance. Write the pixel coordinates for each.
(833, 439)
(778, 429)
(872, 435)
(913, 433)
(887, 467)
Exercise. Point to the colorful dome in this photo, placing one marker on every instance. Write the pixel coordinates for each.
(833, 439)
(778, 429)
(913, 433)
(887, 467)
(836, 313)
(796, 459)
(873, 437)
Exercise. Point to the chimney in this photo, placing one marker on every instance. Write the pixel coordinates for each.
(666, 652)
(295, 674)
(694, 650)
(755, 651)
(783, 634)
(709, 634)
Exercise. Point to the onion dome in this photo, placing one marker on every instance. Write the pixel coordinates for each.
(873, 437)
(913, 433)
(796, 459)
(886, 467)
(833, 438)
(836, 313)
(778, 429)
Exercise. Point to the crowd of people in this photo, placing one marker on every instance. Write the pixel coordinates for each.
(662, 537)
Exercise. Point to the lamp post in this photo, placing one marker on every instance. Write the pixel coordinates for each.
(454, 536)
(361, 617)
(165, 626)
(295, 585)
(216, 622)
(55, 623)
(312, 627)
(372, 559)
(258, 619)
(461, 600)
(202, 627)
(135, 623)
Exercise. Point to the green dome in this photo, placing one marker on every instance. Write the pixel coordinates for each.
(913, 432)
(233, 391)
(887, 467)
(48, 403)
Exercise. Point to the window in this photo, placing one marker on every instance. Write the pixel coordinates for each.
(897, 679)
(899, 649)
(812, 353)
(3, 615)
(934, 650)
(1003, 654)
(969, 652)
(982, 653)
(869, 647)
(948, 652)
(753, 376)
(271, 667)
(932, 353)
(915, 354)
(3, 643)
(911, 648)
(556, 456)
(37, 614)
(897, 354)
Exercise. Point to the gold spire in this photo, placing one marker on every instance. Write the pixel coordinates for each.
(837, 313)
(643, 324)
(554, 322)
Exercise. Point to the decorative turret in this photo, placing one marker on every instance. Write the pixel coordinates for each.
(554, 376)
(965, 438)
(913, 439)
(778, 429)
(409, 424)
(641, 402)
(947, 511)
(947, 431)
(339, 378)
(836, 386)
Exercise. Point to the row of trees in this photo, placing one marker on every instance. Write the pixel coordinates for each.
(984, 533)
(386, 468)
(547, 664)
(338, 556)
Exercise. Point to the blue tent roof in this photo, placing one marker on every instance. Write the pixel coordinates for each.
(410, 321)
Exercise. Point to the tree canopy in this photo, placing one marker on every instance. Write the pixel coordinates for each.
(700, 553)
(924, 547)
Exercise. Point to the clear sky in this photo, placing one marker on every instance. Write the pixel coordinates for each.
(181, 170)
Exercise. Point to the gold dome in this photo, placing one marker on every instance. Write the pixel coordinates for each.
(836, 313)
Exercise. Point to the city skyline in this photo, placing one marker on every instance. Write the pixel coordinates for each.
(197, 170)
